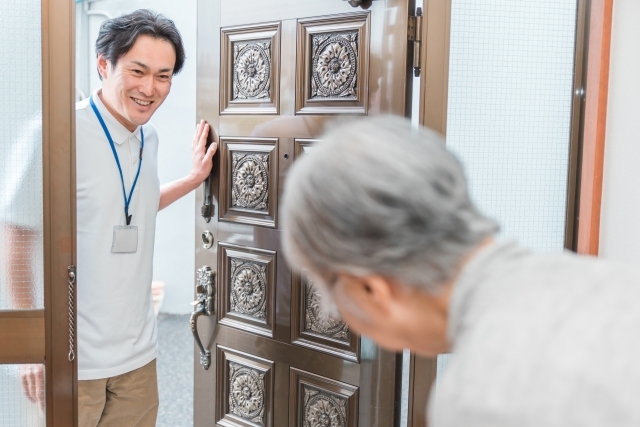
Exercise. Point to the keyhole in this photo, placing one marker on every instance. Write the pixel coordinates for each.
(286, 156)
(207, 239)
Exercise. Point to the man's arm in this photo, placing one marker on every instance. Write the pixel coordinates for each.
(19, 246)
(201, 167)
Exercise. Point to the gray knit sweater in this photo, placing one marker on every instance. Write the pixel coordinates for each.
(541, 340)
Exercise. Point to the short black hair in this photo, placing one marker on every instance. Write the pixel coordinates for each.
(118, 35)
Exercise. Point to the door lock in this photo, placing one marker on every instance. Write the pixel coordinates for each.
(207, 239)
(203, 306)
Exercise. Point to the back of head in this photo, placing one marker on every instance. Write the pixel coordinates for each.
(118, 35)
(377, 196)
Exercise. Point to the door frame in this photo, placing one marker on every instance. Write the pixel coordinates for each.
(593, 124)
(207, 100)
(43, 336)
(58, 138)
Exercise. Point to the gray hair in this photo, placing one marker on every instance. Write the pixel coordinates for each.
(377, 196)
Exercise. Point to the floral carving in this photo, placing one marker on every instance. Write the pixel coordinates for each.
(252, 70)
(246, 393)
(334, 65)
(323, 409)
(250, 181)
(249, 288)
(318, 320)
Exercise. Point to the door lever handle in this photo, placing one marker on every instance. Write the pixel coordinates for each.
(204, 303)
(208, 209)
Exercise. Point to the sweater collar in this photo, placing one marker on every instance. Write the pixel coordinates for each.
(472, 277)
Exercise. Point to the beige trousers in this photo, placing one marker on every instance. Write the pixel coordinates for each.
(127, 400)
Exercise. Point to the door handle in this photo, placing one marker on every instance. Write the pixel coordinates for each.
(203, 306)
(207, 209)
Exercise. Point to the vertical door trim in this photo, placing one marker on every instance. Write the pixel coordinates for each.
(594, 125)
(434, 62)
(58, 146)
(208, 41)
(577, 104)
(434, 92)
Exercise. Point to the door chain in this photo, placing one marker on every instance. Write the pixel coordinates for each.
(71, 277)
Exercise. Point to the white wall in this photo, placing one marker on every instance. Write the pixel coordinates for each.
(620, 221)
(175, 122)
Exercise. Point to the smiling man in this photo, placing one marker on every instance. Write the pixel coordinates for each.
(118, 197)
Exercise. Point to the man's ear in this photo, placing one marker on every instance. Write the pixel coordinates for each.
(103, 65)
(377, 291)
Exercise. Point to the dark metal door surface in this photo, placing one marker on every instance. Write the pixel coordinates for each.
(271, 76)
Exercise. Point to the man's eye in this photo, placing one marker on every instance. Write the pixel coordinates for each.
(137, 71)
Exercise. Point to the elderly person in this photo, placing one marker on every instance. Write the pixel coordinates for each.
(379, 213)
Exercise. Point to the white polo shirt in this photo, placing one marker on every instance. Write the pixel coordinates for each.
(116, 323)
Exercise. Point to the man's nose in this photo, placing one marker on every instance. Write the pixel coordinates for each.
(147, 86)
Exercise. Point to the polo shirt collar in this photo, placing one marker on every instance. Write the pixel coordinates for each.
(118, 132)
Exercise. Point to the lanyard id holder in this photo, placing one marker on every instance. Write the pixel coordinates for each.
(125, 239)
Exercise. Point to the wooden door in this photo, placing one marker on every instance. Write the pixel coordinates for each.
(271, 76)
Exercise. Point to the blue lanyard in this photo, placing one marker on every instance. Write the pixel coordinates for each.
(127, 200)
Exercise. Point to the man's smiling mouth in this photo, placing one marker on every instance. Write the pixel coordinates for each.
(141, 102)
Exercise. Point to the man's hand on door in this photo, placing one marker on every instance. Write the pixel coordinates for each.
(202, 161)
(201, 157)
(32, 376)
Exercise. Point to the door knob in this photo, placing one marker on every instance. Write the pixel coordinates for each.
(203, 306)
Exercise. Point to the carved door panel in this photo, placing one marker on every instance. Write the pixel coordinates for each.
(271, 76)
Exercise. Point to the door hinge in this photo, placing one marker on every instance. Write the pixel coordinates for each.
(414, 34)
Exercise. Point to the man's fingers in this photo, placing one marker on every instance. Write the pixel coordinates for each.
(205, 133)
(28, 384)
(24, 377)
(39, 388)
(199, 129)
(202, 138)
(33, 386)
(211, 151)
(196, 137)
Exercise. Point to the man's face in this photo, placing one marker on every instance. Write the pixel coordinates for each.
(394, 316)
(140, 82)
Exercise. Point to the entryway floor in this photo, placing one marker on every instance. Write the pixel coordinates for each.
(175, 371)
